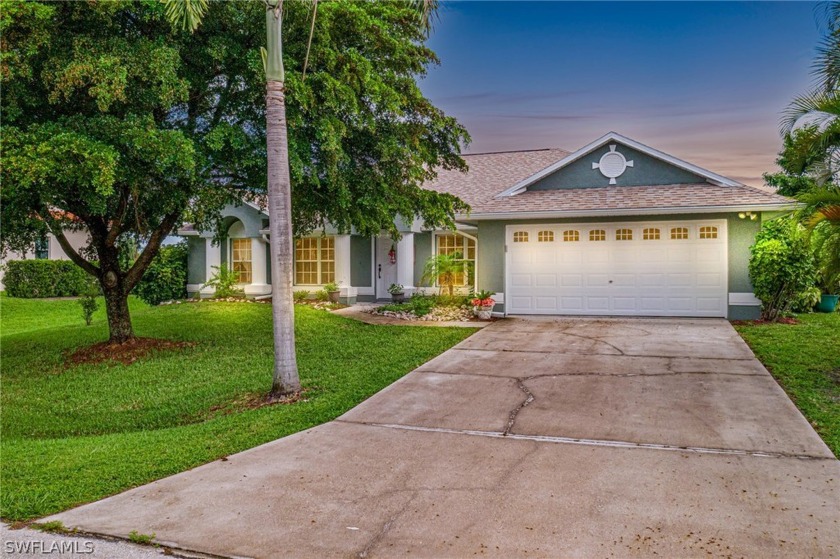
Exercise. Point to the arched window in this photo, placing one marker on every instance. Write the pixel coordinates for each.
(520, 237)
(545, 237)
(679, 233)
(651, 234)
(571, 236)
(623, 234)
(708, 232)
(597, 235)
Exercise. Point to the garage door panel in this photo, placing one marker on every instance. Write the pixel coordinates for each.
(520, 280)
(652, 304)
(709, 280)
(596, 304)
(643, 276)
(545, 303)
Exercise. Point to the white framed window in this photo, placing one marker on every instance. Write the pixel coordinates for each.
(240, 259)
(545, 237)
(598, 235)
(708, 232)
(623, 234)
(520, 237)
(314, 260)
(462, 247)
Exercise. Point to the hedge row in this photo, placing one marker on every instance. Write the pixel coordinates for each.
(45, 278)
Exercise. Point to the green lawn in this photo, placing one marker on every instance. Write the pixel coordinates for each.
(805, 359)
(71, 435)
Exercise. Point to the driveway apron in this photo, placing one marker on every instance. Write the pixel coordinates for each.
(535, 437)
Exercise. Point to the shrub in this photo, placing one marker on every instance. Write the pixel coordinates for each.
(224, 281)
(781, 266)
(331, 287)
(166, 277)
(89, 306)
(29, 279)
(807, 300)
(300, 296)
(322, 295)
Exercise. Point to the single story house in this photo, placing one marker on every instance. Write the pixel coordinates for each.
(46, 248)
(614, 228)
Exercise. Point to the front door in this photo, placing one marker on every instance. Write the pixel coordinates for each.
(386, 272)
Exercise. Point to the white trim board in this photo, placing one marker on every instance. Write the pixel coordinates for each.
(744, 299)
(712, 177)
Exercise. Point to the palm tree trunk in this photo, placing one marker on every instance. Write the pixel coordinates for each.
(286, 381)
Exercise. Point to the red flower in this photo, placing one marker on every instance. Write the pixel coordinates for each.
(483, 302)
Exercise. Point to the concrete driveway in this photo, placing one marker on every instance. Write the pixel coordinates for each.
(532, 438)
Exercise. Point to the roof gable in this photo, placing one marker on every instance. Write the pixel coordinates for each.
(616, 160)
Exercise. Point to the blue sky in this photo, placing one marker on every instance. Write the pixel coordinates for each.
(703, 81)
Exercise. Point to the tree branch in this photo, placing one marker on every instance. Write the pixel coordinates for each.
(117, 226)
(135, 273)
(56, 230)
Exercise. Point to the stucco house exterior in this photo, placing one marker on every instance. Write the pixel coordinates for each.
(46, 248)
(614, 228)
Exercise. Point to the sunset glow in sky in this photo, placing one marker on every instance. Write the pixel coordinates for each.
(706, 82)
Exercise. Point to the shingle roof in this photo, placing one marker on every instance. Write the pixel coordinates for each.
(619, 198)
(492, 173)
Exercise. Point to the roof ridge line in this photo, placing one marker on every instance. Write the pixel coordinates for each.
(513, 151)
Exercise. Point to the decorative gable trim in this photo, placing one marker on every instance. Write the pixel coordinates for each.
(713, 178)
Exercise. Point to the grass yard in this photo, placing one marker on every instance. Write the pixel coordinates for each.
(71, 435)
(805, 359)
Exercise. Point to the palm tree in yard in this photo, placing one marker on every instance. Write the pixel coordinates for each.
(189, 14)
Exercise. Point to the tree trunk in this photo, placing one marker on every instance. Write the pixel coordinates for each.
(286, 380)
(116, 307)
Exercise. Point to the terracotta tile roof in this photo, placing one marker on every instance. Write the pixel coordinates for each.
(492, 173)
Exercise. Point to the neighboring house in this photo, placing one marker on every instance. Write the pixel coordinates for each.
(46, 248)
(615, 228)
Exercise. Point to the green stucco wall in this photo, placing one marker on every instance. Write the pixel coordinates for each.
(646, 171)
(196, 260)
(361, 261)
(422, 252)
(741, 233)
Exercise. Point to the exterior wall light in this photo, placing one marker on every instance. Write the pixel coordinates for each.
(748, 215)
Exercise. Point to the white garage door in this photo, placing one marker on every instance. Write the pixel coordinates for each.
(631, 269)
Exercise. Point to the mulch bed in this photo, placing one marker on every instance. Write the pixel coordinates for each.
(782, 320)
(127, 353)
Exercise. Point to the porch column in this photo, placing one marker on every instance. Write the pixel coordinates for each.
(405, 262)
(342, 260)
(212, 258)
(259, 285)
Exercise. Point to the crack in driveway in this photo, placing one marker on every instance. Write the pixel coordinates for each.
(529, 397)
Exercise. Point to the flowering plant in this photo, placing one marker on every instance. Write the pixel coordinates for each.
(483, 299)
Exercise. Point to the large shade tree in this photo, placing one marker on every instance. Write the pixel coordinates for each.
(119, 123)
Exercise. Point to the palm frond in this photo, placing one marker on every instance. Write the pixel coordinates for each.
(427, 12)
(186, 13)
(816, 107)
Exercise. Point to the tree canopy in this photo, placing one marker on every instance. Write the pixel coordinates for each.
(118, 122)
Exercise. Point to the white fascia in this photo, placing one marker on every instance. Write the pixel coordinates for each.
(714, 178)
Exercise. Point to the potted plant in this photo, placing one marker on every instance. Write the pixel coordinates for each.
(332, 291)
(830, 287)
(483, 303)
(397, 292)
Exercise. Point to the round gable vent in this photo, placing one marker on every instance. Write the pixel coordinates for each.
(612, 164)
